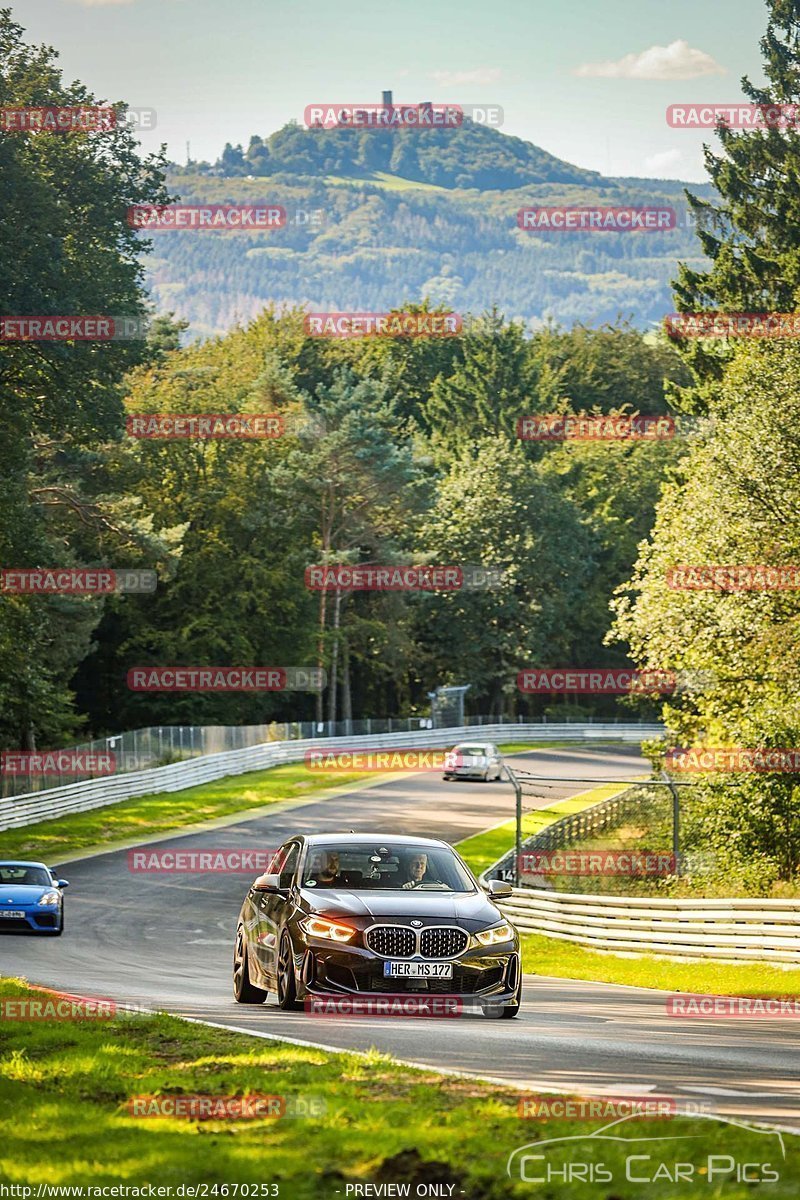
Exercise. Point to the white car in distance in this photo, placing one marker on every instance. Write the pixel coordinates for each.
(473, 760)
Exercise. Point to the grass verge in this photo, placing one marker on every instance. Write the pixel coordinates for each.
(550, 956)
(66, 1088)
(543, 955)
(483, 849)
(163, 812)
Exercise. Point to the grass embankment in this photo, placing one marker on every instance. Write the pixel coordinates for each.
(483, 849)
(66, 1088)
(164, 812)
(550, 956)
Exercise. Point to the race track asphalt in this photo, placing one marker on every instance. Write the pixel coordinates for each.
(165, 941)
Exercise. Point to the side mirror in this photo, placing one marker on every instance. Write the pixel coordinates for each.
(499, 889)
(267, 883)
(62, 883)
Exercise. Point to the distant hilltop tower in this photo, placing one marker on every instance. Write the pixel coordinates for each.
(387, 99)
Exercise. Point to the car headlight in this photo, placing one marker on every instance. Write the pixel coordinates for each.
(321, 927)
(498, 933)
(50, 898)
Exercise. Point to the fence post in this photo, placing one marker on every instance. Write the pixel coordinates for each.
(676, 822)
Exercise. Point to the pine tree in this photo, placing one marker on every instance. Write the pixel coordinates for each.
(752, 236)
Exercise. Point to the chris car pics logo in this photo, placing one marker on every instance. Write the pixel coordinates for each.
(623, 1153)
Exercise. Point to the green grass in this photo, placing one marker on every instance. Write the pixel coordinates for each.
(391, 183)
(146, 816)
(65, 1087)
(483, 849)
(550, 956)
(543, 955)
(163, 812)
(526, 747)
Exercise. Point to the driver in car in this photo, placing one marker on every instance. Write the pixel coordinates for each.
(416, 866)
(324, 867)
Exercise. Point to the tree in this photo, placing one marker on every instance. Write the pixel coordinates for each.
(65, 248)
(735, 499)
(488, 390)
(495, 509)
(357, 479)
(752, 235)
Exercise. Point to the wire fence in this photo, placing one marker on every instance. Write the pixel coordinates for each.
(619, 846)
(161, 745)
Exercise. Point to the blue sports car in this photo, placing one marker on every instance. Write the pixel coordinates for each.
(31, 898)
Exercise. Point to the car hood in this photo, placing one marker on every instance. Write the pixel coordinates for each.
(20, 893)
(470, 907)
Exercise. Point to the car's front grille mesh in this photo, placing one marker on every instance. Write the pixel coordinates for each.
(442, 942)
(391, 941)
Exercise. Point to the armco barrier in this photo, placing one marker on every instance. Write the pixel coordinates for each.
(743, 930)
(736, 930)
(572, 828)
(16, 811)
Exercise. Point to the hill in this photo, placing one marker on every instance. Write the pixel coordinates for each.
(382, 218)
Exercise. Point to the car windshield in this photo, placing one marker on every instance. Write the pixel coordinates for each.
(29, 876)
(468, 749)
(385, 867)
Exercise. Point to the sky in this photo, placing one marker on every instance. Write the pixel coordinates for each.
(586, 80)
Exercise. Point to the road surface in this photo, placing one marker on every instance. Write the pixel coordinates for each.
(166, 941)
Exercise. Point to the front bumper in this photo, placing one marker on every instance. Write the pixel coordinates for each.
(356, 971)
(35, 919)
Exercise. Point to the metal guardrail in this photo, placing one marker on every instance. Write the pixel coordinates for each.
(734, 930)
(162, 745)
(737, 930)
(597, 818)
(16, 811)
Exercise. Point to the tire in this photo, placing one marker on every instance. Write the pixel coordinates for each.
(287, 988)
(244, 992)
(60, 929)
(511, 1010)
(447, 778)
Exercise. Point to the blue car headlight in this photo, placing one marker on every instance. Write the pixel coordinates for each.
(50, 898)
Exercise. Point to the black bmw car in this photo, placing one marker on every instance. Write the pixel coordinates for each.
(360, 914)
